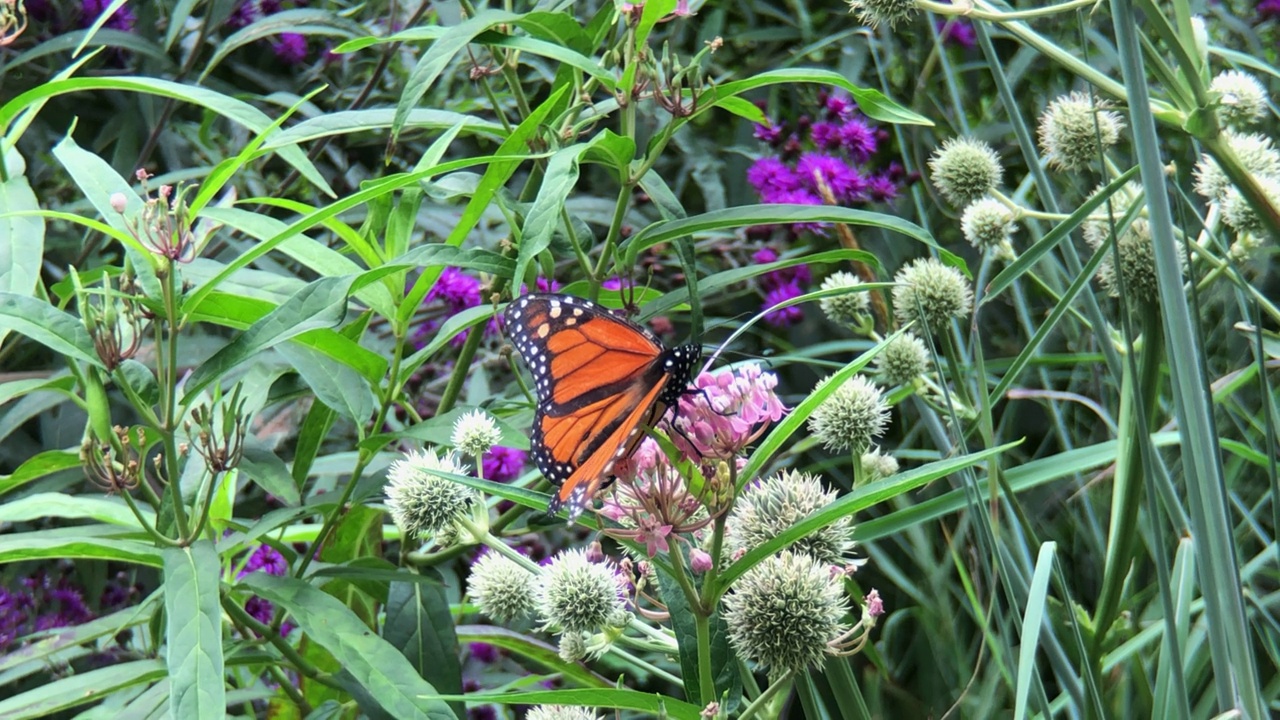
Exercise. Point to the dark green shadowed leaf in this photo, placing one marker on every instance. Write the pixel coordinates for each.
(724, 663)
(80, 689)
(419, 624)
(192, 580)
(373, 662)
(61, 332)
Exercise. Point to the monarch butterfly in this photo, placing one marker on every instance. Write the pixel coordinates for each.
(600, 379)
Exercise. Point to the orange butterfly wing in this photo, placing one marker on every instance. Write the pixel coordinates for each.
(599, 379)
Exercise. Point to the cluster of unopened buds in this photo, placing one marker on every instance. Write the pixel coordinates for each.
(219, 432)
(164, 226)
(115, 463)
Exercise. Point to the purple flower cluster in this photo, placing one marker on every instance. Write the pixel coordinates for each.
(779, 286)
(122, 19)
(40, 603)
(289, 48)
(265, 559)
(1268, 10)
(455, 291)
(503, 464)
(959, 32)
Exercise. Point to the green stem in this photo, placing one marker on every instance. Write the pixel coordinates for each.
(461, 369)
(973, 13)
(784, 681)
(706, 676)
(611, 240)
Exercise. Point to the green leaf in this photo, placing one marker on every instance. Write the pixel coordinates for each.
(334, 384)
(110, 510)
(61, 332)
(435, 60)
(531, 649)
(543, 217)
(419, 624)
(871, 103)
(79, 689)
(21, 236)
(270, 473)
(303, 21)
(48, 545)
(320, 304)
(724, 663)
(106, 626)
(45, 464)
(1032, 620)
(345, 122)
(192, 581)
(557, 27)
(373, 662)
(647, 703)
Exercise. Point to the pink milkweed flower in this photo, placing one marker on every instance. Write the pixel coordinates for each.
(651, 502)
(728, 411)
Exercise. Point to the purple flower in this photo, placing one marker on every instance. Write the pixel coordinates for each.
(783, 317)
(844, 182)
(503, 464)
(484, 652)
(825, 135)
(959, 31)
(773, 132)
(244, 14)
(881, 188)
(771, 175)
(266, 559)
(484, 712)
(290, 48)
(858, 139)
(1267, 10)
(260, 609)
(546, 284)
(839, 106)
(122, 19)
(613, 283)
(459, 290)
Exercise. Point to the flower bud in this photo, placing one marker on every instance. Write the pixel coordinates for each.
(903, 360)
(849, 309)
(767, 509)
(889, 12)
(475, 433)
(421, 502)
(577, 595)
(1242, 100)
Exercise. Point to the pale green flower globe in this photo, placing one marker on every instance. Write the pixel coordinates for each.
(903, 360)
(889, 12)
(421, 502)
(1075, 129)
(768, 508)
(1240, 215)
(987, 224)
(877, 466)
(785, 612)
(932, 293)
(577, 595)
(1257, 155)
(474, 433)
(965, 170)
(850, 417)
(848, 309)
(1242, 100)
(1137, 261)
(501, 587)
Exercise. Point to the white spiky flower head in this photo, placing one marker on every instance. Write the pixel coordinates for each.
(850, 417)
(768, 508)
(888, 12)
(785, 613)
(577, 595)
(848, 309)
(1256, 154)
(965, 169)
(561, 712)
(474, 433)
(903, 360)
(423, 503)
(929, 291)
(987, 224)
(502, 588)
(1242, 100)
(1075, 129)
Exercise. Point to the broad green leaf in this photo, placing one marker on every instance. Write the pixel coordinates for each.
(648, 704)
(557, 27)
(48, 545)
(59, 331)
(724, 663)
(21, 236)
(871, 103)
(373, 662)
(552, 51)
(436, 59)
(531, 649)
(334, 384)
(62, 382)
(418, 623)
(79, 689)
(441, 255)
(544, 216)
(192, 606)
(110, 510)
(345, 122)
(42, 465)
(321, 304)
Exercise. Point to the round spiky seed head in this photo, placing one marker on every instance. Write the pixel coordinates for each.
(423, 503)
(501, 587)
(931, 292)
(889, 12)
(1242, 100)
(1240, 215)
(1075, 129)
(850, 417)
(877, 466)
(903, 360)
(785, 612)
(766, 509)
(474, 433)
(573, 646)
(561, 712)
(848, 309)
(987, 223)
(1137, 260)
(965, 170)
(577, 595)
(1256, 154)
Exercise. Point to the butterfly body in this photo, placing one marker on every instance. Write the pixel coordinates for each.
(600, 380)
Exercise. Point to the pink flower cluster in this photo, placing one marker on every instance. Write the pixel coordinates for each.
(727, 412)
